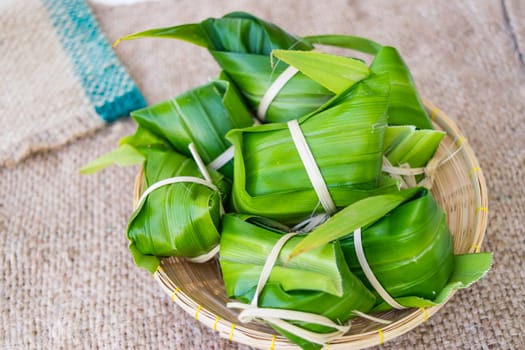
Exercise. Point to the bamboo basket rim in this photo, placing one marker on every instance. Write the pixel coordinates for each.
(249, 335)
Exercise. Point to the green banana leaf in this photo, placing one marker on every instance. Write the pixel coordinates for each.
(235, 32)
(351, 42)
(337, 73)
(407, 244)
(359, 214)
(179, 219)
(132, 150)
(241, 44)
(317, 282)
(346, 141)
(410, 250)
(405, 106)
(254, 74)
(201, 116)
(468, 268)
(406, 145)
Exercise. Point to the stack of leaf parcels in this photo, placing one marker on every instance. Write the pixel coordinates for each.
(287, 180)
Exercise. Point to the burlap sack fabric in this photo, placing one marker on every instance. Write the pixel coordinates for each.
(66, 277)
(60, 78)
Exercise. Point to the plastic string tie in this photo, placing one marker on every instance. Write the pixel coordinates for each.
(207, 181)
(425, 314)
(222, 159)
(273, 90)
(200, 164)
(175, 292)
(272, 345)
(310, 165)
(358, 244)
(206, 256)
(406, 174)
(173, 180)
(196, 316)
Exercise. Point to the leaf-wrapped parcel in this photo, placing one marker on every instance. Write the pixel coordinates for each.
(410, 250)
(201, 116)
(241, 44)
(346, 141)
(411, 253)
(407, 244)
(317, 282)
(178, 219)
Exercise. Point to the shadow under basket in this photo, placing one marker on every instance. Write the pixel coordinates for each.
(458, 186)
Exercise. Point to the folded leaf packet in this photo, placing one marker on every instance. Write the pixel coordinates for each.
(201, 116)
(318, 282)
(410, 250)
(241, 44)
(405, 251)
(179, 211)
(177, 219)
(346, 141)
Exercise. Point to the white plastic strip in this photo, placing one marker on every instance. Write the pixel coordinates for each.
(172, 180)
(406, 175)
(222, 159)
(358, 244)
(273, 90)
(311, 223)
(278, 317)
(205, 257)
(268, 265)
(181, 179)
(200, 164)
(314, 174)
(404, 169)
(371, 318)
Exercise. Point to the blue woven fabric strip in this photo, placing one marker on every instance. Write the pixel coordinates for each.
(105, 81)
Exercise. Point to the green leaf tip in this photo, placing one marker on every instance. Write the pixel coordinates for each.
(350, 218)
(336, 73)
(124, 155)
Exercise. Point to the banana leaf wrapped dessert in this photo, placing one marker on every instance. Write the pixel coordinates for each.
(344, 131)
(318, 283)
(179, 212)
(201, 116)
(241, 44)
(402, 249)
(271, 177)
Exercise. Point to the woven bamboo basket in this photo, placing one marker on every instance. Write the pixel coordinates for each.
(458, 186)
